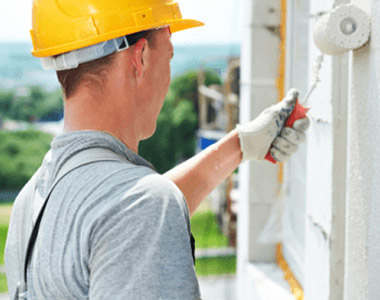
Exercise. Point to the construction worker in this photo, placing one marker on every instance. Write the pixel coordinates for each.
(96, 221)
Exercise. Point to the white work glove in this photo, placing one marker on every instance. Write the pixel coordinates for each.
(267, 132)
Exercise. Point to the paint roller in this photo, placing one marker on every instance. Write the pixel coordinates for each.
(346, 27)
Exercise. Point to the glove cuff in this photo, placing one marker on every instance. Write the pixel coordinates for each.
(250, 144)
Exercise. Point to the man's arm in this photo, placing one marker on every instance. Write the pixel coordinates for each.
(198, 176)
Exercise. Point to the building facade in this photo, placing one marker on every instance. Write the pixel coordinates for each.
(322, 206)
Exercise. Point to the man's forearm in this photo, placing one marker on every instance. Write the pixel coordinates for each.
(198, 176)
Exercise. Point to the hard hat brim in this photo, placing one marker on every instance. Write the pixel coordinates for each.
(175, 26)
(184, 24)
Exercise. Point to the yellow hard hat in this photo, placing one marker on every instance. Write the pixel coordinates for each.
(60, 26)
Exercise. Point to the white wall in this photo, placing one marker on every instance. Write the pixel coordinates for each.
(342, 245)
(319, 176)
(332, 217)
(258, 182)
(297, 66)
(363, 215)
(326, 173)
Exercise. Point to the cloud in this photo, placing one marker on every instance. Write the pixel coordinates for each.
(15, 20)
(222, 19)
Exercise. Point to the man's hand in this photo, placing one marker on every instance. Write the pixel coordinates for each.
(267, 132)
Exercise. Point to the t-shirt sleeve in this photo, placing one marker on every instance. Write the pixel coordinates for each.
(141, 248)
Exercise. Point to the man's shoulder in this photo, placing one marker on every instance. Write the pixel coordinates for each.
(134, 177)
(158, 184)
(156, 190)
(120, 186)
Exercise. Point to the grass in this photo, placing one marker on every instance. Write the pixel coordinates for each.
(3, 283)
(3, 237)
(207, 235)
(215, 266)
(206, 231)
(5, 214)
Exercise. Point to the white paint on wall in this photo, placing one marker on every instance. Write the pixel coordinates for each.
(327, 269)
(374, 173)
(363, 234)
(326, 173)
(359, 187)
(297, 46)
(316, 274)
(258, 182)
(319, 176)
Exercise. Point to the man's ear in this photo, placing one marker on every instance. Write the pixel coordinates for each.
(139, 57)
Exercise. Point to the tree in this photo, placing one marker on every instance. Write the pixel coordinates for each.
(21, 154)
(30, 104)
(175, 136)
(186, 85)
(52, 108)
(6, 98)
(185, 122)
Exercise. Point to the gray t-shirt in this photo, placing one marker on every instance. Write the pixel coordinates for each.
(111, 230)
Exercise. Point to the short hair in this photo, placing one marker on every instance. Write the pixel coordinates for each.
(95, 72)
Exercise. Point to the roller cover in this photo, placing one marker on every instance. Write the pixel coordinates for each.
(346, 27)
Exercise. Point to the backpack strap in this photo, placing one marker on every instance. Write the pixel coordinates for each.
(83, 158)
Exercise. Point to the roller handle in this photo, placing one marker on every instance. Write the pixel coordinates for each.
(299, 112)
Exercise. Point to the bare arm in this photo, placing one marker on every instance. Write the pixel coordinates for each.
(198, 176)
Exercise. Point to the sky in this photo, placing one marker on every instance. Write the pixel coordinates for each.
(222, 18)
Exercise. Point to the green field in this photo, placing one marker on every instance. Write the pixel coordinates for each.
(215, 266)
(206, 231)
(207, 235)
(5, 212)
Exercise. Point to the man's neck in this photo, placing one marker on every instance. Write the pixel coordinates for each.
(103, 113)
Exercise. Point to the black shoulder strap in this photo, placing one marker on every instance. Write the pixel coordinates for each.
(81, 159)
